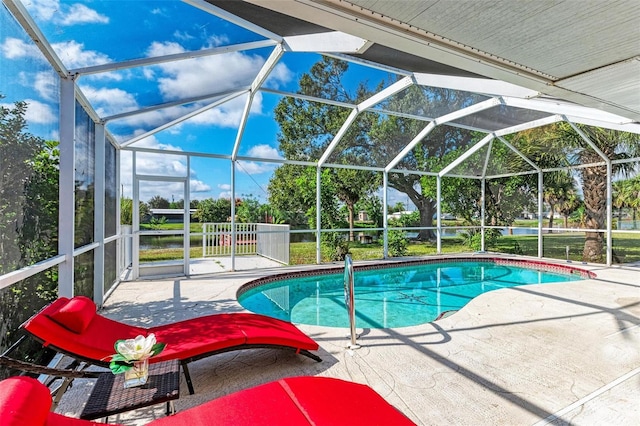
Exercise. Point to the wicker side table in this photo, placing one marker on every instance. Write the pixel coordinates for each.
(109, 396)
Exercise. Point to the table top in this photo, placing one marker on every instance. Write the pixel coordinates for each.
(109, 395)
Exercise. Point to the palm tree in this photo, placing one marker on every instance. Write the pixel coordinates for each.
(614, 145)
(622, 193)
(633, 189)
(559, 187)
(568, 205)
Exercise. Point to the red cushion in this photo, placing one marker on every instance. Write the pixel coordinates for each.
(96, 343)
(76, 314)
(264, 405)
(328, 401)
(264, 330)
(197, 336)
(192, 338)
(55, 419)
(24, 401)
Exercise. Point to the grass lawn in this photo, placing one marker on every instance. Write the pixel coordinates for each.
(626, 248)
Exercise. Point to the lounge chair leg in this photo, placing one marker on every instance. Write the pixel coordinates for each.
(187, 377)
(310, 355)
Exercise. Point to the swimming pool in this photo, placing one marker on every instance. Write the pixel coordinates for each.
(390, 296)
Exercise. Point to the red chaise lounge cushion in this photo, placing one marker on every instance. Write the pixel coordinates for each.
(67, 325)
(319, 401)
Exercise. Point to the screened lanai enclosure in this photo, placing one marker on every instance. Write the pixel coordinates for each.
(151, 138)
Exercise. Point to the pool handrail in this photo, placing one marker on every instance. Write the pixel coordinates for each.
(349, 300)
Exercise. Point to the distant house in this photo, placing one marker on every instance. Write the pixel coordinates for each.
(172, 215)
(363, 216)
(398, 215)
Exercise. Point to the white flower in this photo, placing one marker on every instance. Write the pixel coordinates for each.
(137, 349)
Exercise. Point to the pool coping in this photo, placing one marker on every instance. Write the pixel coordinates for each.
(524, 263)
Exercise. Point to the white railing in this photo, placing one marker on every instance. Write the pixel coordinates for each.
(217, 239)
(264, 239)
(273, 242)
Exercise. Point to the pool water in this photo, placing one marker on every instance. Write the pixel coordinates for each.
(390, 297)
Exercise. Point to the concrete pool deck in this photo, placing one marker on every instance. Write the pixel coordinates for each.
(541, 354)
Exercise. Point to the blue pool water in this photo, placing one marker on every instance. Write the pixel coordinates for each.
(390, 297)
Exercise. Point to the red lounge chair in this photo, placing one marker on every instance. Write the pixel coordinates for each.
(292, 401)
(73, 327)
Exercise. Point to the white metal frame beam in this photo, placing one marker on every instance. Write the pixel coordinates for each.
(229, 17)
(387, 92)
(455, 163)
(258, 81)
(179, 119)
(66, 210)
(143, 62)
(22, 16)
(180, 102)
(483, 86)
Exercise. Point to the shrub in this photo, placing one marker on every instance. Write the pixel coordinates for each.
(336, 245)
(398, 243)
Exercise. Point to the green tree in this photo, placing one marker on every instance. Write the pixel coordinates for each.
(568, 205)
(248, 210)
(38, 234)
(614, 145)
(372, 204)
(17, 150)
(398, 207)
(559, 187)
(210, 210)
(350, 186)
(306, 129)
(28, 221)
(392, 133)
(158, 202)
(126, 211)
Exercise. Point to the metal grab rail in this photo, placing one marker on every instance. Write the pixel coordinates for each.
(349, 300)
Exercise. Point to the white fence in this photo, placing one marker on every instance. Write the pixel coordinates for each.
(264, 239)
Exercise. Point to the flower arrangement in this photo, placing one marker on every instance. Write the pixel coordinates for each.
(132, 358)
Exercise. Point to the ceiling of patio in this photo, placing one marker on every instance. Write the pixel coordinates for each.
(586, 52)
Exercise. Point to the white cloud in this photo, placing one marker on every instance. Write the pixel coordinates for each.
(163, 49)
(225, 194)
(64, 14)
(152, 142)
(225, 115)
(80, 14)
(40, 113)
(218, 40)
(264, 151)
(45, 84)
(37, 112)
(180, 35)
(279, 76)
(148, 73)
(259, 151)
(224, 186)
(73, 55)
(42, 9)
(210, 74)
(159, 165)
(14, 48)
(198, 186)
(253, 168)
(109, 101)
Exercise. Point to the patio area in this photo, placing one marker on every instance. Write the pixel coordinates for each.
(542, 354)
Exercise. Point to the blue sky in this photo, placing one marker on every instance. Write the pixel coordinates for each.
(89, 33)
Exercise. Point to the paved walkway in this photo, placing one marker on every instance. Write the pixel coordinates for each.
(541, 354)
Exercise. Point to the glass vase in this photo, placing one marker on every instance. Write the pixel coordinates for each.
(137, 375)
